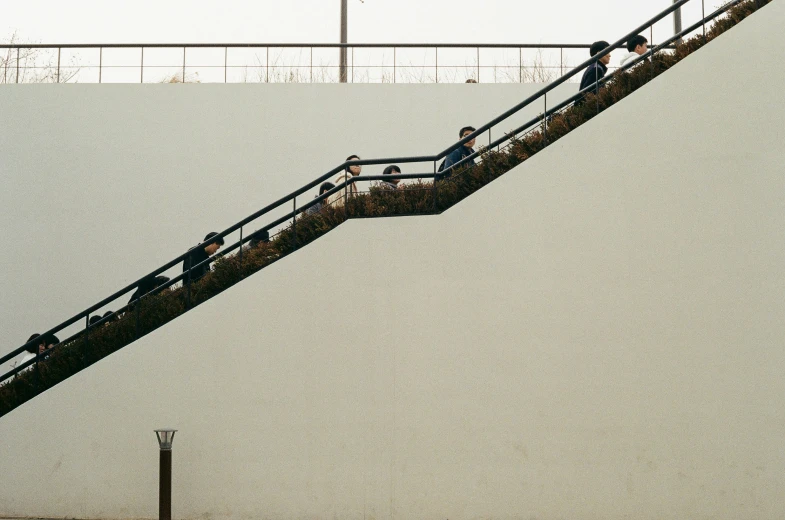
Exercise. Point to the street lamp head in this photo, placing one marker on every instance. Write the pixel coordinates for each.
(165, 438)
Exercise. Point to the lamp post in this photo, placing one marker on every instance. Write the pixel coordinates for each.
(344, 38)
(677, 22)
(165, 438)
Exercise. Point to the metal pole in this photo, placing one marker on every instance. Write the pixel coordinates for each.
(545, 118)
(344, 38)
(294, 220)
(226, 65)
(437, 64)
(478, 64)
(267, 66)
(311, 64)
(17, 65)
(561, 61)
(100, 63)
(58, 64)
(520, 64)
(703, 11)
(435, 180)
(240, 253)
(165, 438)
(165, 486)
(677, 23)
(395, 59)
(183, 64)
(141, 79)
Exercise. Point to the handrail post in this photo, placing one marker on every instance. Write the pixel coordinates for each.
(141, 68)
(58, 64)
(294, 221)
(520, 64)
(240, 253)
(100, 63)
(561, 61)
(37, 378)
(545, 119)
(478, 64)
(435, 180)
(226, 63)
(17, 64)
(183, 64)
(437, 64)
(87, 328)
(395, 59)
(137, 310)
(188, 296)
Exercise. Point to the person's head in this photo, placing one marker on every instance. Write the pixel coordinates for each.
(467, 130)
(94, 319)
(33, 349)
(45, 343)
(214, 244)
(638, 44)
(392, 170)
(354, 170)
(325, 187)
(109, 316)
(598, 47)
(471, 80)
(261, 236)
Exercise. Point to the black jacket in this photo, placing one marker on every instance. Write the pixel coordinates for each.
(198, 255)
(456, 156)
(147, 285)
(591, 76)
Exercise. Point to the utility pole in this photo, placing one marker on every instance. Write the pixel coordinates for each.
(677, 22)
(344, 38)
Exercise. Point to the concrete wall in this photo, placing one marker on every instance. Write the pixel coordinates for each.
(103, 183)
(598, 334)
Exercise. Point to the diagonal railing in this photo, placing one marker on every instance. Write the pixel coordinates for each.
(343, 189)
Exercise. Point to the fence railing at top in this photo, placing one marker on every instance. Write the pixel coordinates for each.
(290, 201)
(287, 63)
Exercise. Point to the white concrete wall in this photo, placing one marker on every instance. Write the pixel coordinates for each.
(598, 334)
(103, 183)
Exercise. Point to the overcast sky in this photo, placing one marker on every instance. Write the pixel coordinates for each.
(311, 21)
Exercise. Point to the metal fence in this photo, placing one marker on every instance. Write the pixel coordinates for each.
(287, 63)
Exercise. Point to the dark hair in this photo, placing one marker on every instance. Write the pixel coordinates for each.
(471, 80)
(390, 169)
(635, 41)
(325, 187)
(219, 240)
(110, 316)
(350, 158)
(94, 319)
(598, 47)
(258, 237)
(51, 339)
(460, 134)
(33, 349)
(150, 283)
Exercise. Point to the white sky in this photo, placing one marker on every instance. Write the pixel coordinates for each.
(312, 21)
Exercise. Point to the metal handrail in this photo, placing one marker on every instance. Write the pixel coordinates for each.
(400, 160)
(299, 45)
(478, 67)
